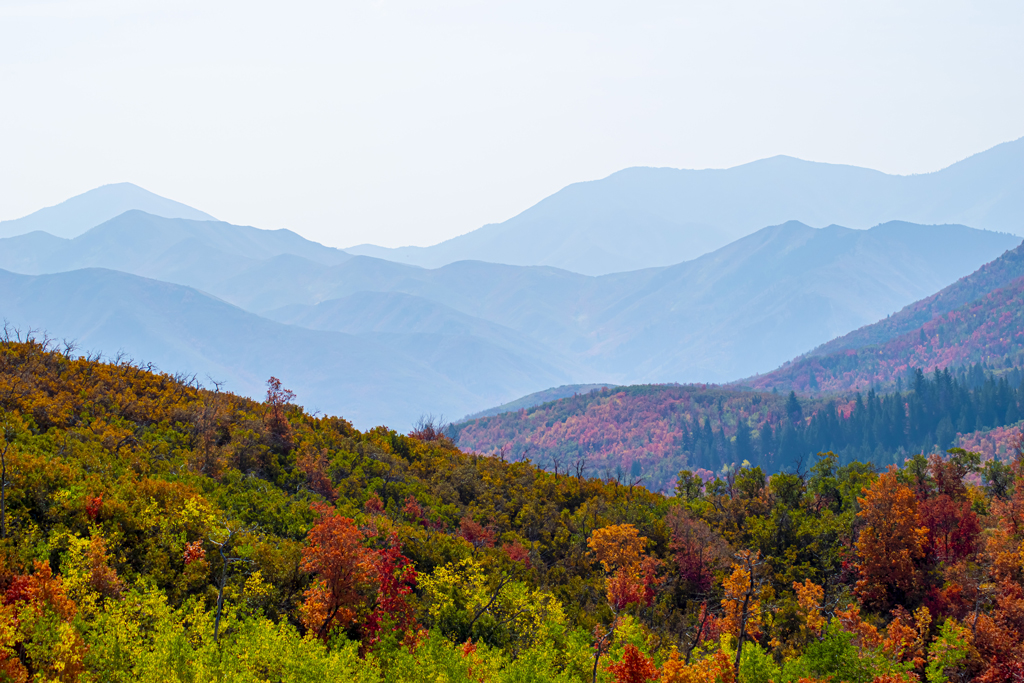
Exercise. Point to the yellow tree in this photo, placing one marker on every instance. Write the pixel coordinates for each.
(617, 547)
(742, 601)
(809, 597)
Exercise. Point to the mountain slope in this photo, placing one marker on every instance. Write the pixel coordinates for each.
(988, 278)
(742, 309)
(647, 217)
(374, 378)
(755, 302)
(539, 398)
(987, 330)
(74, 216)
(975, 320)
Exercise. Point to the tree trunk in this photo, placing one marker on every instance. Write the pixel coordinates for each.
(220, 600)
(3, 489)
(743, 618)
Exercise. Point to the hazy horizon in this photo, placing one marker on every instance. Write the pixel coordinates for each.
(397, 124)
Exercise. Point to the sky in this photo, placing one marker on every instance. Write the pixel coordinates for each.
(409, 122)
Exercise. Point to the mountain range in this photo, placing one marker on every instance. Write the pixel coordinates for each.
(743, 309)
(946, 370)
(649, 217)
(199, 253)
(472, 334)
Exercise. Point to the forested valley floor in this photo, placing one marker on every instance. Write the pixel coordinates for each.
(153, 530)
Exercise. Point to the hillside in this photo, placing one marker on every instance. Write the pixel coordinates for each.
(648, 433)
(988, 330)
(539, 397)
(152, 531)
(641, 433)
(75, 216)
(999, 273)
(651, 217)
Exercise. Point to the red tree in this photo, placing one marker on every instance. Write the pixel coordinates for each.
(395, 578)
(343, 568)
(635, 667)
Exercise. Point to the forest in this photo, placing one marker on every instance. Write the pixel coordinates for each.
(154, 530)
(649, 433)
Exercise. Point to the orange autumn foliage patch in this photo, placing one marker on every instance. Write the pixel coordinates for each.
(617, 546)
(342, 568)
(715, 669)
(891, 542)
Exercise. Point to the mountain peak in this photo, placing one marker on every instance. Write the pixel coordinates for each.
(75, 216)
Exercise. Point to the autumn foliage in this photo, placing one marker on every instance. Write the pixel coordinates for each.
(159, 531)
(891, 543)
(343, 569)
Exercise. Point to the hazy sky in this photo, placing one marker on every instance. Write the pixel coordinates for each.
(408, 122)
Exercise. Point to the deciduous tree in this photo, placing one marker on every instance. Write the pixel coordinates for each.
(891, 543)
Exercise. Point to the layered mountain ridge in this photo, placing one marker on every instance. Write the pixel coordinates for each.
(75, 216)
(474, 334)
(649, 217)
(947, 370)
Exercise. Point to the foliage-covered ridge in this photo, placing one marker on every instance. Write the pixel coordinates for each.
(646, 434)
(151, 530)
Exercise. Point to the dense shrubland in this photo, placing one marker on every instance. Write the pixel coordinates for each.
(151, 530)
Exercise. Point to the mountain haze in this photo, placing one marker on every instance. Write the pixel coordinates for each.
(500, 331)
(197, 253)
(74, 216)
(743, 309)
(370, 378)
(649, 217)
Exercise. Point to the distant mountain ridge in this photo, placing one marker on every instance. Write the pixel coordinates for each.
(651, 217)
(743, 309)
(189, 252)
(75, 216)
